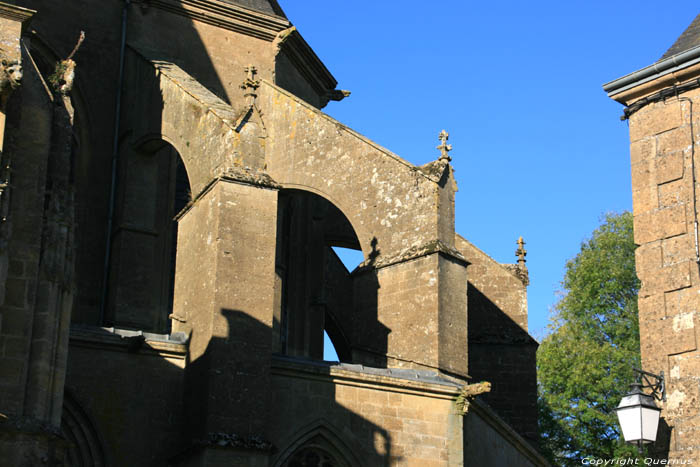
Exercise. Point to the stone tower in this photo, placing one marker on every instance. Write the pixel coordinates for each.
(662, 104)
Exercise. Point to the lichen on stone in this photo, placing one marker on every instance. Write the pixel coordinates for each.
(434, 246)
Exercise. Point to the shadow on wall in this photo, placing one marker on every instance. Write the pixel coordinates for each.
(372, 336)
(124, 403)
(503, 353)
(144, 404)
(278, 408)
(130, 405)
(173, 36)
(661, 448)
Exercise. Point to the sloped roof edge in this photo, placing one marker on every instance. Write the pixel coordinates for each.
(689, 39)
(263, 6)
(661, 68)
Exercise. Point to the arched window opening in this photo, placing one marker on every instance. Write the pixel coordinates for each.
(318, 448)
(153, 188)
(314, 288)
(312, 456)
(84, 448)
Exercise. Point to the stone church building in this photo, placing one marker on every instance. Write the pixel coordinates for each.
(170, 193)
(662, 105)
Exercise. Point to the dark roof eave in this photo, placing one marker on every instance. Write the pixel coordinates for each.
(652, 72)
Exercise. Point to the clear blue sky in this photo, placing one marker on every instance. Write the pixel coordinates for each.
(539, 149)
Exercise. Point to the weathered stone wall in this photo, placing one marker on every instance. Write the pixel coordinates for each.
(401, 208)
(57, 28)
(224, 298)
(374, 419)
(499, 283)
(398, 207)
(131, 389)
(35, 255)
(510, 368)
(500, 349)
(199, 36)
(412, 314)
(203, 50)
(663, 139)
(27, 143)
(489, 441)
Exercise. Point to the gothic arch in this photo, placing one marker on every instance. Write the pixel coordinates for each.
(318, 438)
(388, 200)
(357, 228)
(174, 106)
(84, 443)
(153, 186)
(151, 142)
(315, 290)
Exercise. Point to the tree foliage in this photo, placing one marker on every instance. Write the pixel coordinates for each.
(585, 363)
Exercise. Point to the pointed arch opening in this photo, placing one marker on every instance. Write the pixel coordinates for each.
(318, 446)
(153, 186)
(314, 288)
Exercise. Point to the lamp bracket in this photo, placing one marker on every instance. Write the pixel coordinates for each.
(657, 386)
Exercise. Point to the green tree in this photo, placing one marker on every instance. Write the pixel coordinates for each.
(584, 364)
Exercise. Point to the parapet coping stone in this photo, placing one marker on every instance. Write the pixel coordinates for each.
(131, 340)
(15, 13)
(386, 152)
(408, 254)
(428, 382)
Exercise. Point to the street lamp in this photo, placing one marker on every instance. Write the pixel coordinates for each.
(637, 412)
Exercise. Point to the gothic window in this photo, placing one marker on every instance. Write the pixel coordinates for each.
(312, 456)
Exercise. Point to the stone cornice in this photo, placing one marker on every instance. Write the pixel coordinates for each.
(235, 174)
(378, 380)
(226, 16)
(669, 71)
(129, 341)
(15, 13)
(668, 80)
(307, 63)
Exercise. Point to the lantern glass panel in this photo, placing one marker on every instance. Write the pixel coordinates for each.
(629, 422)
(650, 424)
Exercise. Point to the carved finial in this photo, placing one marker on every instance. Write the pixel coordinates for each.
(250, 85)
(521, 252)
(251, 72)
(444, 147)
